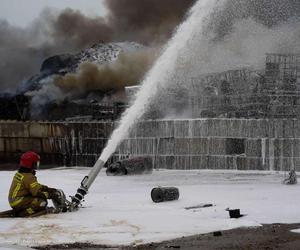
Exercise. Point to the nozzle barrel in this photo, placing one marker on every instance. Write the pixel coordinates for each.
(87, 182)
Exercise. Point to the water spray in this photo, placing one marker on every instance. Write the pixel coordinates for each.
(161, 74)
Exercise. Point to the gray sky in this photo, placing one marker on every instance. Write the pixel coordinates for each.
(22, 12)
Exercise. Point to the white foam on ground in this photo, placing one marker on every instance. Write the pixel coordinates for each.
(119, 210)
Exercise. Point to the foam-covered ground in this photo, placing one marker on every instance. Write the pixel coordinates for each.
(119, 210)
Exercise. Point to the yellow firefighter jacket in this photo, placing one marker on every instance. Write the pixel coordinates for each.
(24, 186)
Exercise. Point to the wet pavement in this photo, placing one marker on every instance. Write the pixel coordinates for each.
(275, 236)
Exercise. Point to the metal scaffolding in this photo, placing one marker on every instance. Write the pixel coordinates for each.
(246, 93)
(282, 66)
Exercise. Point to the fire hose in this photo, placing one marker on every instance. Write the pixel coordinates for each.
(86, 183)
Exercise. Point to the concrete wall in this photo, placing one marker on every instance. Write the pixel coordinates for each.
(58, 143)
(175, 144)
(242, 144)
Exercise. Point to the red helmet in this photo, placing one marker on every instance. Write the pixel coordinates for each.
(29, 160)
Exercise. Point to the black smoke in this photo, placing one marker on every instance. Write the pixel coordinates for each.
(146, 21)
(22, 50)
(150, 22)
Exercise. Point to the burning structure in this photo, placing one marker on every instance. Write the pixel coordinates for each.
(89, 84)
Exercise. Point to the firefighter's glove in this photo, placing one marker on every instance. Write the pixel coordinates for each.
(54, 195)
(52, 190)
(43, 195)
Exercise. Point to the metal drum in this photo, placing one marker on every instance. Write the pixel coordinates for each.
(161, 194)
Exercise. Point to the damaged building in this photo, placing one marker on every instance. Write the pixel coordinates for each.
(19, 108)
(88, 84)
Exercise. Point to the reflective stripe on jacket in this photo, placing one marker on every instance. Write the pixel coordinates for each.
(24, 185)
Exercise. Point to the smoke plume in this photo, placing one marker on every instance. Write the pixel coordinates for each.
(79, 31)
(19, 57)
(269, 13)
(22, 50)
(240, 34)
(146, 21)
(127, 70)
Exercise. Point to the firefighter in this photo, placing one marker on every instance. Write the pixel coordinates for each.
(26, 195)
